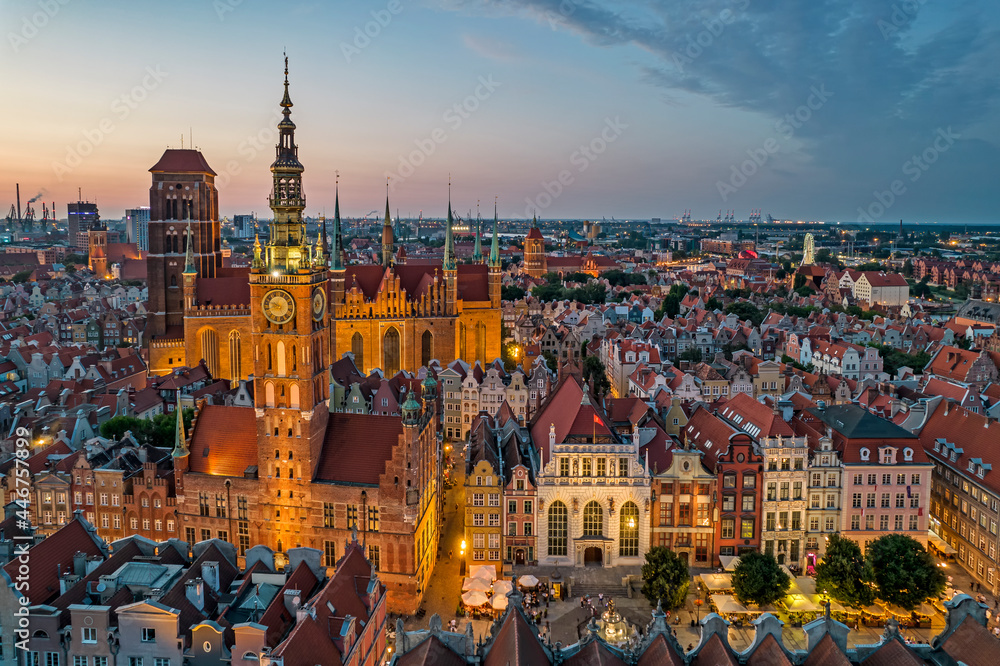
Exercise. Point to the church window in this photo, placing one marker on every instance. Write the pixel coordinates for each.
(269, 393)
(593, 519)
(557, 529)
(426, 348)
(280, 353)
(390, 351)
(358, 349)
(628, 538)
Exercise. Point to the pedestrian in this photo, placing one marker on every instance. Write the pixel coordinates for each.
(450, 552)
(600, 598)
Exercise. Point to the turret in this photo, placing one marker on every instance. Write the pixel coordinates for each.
(477, 252)
(493, 277)
(190, 274)
(449, 264)
(387, 239)
(336, 260)
(411, 410)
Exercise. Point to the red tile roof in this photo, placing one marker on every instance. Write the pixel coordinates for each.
(344, 461)
(515, 644)
(972, 644)
(826, 653)
(595, 653)
(757, 413)
(976, 435)
(182, 160)
(223, 440)
(232, 291)
(659, 653)
(534, 233)
(714, 654)
(52, 555)
(431, 652)
(893, 653)
(769, 653)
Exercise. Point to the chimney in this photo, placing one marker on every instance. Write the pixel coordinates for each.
(80, 564)
(293, 600)
(210, 574)
(194, 590)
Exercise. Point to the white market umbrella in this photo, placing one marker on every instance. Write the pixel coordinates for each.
(527, 581)
(475, 585)
(799, 603)
(502, 587)
(484, 571)
(729, 562)
(728, 604)
(475, 599)
(716, 581)
(499, 602)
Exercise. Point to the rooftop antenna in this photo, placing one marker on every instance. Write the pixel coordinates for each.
(182, 140)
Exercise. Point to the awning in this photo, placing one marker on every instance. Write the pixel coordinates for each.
(716, 581)
(487, 571)
(729, 562)
(940, 543)
(799, 603)
(475, 585)
(727, 604)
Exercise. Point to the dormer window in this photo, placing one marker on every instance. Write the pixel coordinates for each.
(972, 466)
(980, 472)
(937, 446)
(887, 456)
(908, 454)
(864, 454)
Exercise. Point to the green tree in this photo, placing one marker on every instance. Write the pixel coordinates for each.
(746, 310)
(593, 369)
(692, 354)
(759, 580)
(511, 293)
(511, 356)
(551, 360)
(20, 277)
(116, 427)
(908, 268)
(713, 304)
(843, 573)
(665, 577)
(576, 277)
(798, 281)
(74, 258)
(671, 307)
(903, 571)
(823, 256)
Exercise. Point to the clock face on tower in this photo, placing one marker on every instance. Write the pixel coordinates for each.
(318, 303)
(278, 306)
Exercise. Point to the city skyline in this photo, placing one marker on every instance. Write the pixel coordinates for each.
(573, 110)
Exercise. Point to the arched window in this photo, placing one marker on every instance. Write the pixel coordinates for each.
(295, 361)
(557, 529)
(210, 351)
(269, 394)
(293, 397)
(461, 340)
(593, 519)
(481, 343)
(279, 351)
(390, 352)
(628, 531)
(426, 348)
(358, 349)
(173, 280)
(235, 357)
(269, 357)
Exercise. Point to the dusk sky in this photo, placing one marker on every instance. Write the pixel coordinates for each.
(673, 103)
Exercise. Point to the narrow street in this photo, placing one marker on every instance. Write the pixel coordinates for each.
(444, 588)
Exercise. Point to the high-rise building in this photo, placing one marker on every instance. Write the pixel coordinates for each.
(82, 216)
(137, 227)
(244, 226)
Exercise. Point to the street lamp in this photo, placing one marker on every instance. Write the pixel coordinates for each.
(698, 603)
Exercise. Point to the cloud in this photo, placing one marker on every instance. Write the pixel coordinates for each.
(897, 73)
(490, 48)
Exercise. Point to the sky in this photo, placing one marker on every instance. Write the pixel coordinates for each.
(837, 110)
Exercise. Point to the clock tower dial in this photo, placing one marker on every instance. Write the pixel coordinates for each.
(278, 306)
(318, 304)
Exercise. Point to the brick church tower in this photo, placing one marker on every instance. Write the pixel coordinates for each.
(534, 252)
(182, 194)
(291, 340)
